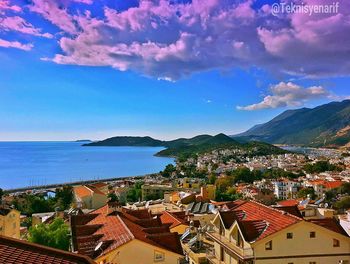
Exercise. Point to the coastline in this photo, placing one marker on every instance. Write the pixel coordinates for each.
(57, 185)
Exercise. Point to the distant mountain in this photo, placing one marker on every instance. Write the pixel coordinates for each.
(186, 147)
(128, 141)
(325, 125)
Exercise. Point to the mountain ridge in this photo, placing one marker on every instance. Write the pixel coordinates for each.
(322, 126)
(186, 147)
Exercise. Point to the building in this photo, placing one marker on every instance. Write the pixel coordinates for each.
(254, 233)
(89, 197)
(344, 221)
(112, 234)
(19, 251)
(155, 191)
(10, 222)
(286, 189)
(179, 221)
(322, 186)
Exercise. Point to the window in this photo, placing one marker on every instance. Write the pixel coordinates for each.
(312, 262)
(222, 254)
(312, 234)
(289, 235)
(268, 245)
(336, 243)
(158, 256)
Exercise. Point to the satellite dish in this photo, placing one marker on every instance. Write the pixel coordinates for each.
(99, 245)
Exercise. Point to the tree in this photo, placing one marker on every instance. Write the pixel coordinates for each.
(303, 193)
(343, 204)
(1, 194)
(212, 178)
(321, 166)
(112, 197)
(64, 197)
(54, 235)
(134, 194)
(169, 169)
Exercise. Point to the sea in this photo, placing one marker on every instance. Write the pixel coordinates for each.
(26, 164)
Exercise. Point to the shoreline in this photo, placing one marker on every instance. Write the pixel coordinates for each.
(57, 185)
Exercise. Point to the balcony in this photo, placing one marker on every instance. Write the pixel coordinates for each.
(242, 253)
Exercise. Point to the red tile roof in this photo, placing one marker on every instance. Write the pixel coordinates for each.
(176, 218)
(288, 202)
(86, 190)
(117, 228)
(332, 184)
(293, 210)
(259, 220)
(15, 251)
(329, 223)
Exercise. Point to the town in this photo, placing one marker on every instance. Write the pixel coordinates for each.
(223, 206)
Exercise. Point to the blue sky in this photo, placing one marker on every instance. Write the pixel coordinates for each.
(47, 91)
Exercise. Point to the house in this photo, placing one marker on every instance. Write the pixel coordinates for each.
(20, 251)
(112, 234)
(179, 221)
(89, 197)
(9, 222)
(322, 186)
(103, 187)
(344, 221)
(251, 232)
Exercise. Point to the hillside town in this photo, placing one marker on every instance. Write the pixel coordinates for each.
(220, 207)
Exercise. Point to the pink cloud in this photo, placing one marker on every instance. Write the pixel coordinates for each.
(57, 15)
(6, 5)
(18, 24)
(15, 44)
(174, 40)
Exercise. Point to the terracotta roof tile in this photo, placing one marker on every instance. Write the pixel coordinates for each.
(14, 251)
(117, 228)
(274, 219)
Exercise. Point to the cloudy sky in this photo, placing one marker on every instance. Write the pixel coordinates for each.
(73, 69)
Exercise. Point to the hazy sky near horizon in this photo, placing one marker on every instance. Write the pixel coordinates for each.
(73, 69)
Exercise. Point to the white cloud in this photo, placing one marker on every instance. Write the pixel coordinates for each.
(288, 94)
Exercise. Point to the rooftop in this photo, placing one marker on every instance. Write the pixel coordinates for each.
(15, 251)
(113, 229)
(258, 221)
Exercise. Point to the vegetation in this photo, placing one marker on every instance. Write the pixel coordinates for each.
(31, 204)
(169, 169)
(112, 197)
(303, 193)
(276, 173)
(342, 191)
(183, 148)
(128, 141)
(225, 190)
(1, 193)
(54, 235)
(321, 166)
(134, 194)
(343, 204)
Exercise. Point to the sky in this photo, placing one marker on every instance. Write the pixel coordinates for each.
(92, 69)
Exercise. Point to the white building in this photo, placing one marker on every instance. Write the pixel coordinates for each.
(286, 189)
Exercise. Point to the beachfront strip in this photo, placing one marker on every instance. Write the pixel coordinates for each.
(265, 210)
